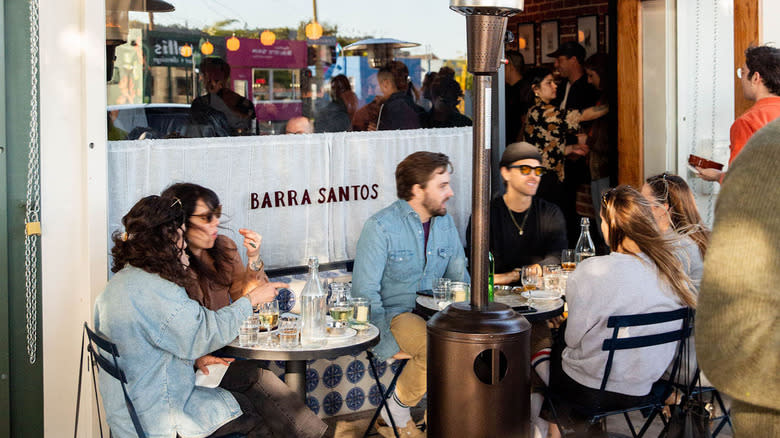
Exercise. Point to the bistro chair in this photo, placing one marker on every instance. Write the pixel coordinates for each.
(656, 399)
(108, 364)
(385, 394)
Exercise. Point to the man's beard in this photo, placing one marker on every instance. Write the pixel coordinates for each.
(432, 209)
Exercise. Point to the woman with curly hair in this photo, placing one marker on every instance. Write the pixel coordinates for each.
(159, 332)
(547, 127)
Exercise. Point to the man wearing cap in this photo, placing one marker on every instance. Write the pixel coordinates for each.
(524, 230)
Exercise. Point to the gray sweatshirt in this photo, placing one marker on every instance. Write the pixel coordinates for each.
(616, 284)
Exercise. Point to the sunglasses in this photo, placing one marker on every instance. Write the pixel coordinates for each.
(208, 217)
(526, 170)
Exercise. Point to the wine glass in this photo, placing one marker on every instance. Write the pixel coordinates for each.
(530, 277)
(339, 305)
(269, 317)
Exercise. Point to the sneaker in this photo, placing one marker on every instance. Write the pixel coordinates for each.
(408, 431)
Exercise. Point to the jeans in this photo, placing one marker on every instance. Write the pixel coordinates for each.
(270, 408)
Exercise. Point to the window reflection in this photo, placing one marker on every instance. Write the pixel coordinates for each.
(157, 74)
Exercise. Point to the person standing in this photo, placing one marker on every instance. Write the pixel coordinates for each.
(760, 79)
(575, 93)
(736, 322)
(518, 96)
(399, 110)
(401, 249)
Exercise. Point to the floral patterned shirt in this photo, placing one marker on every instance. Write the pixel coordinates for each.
(546, 128)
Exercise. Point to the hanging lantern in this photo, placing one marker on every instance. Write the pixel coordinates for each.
(267, 38)
(521, 43)
(233, 43)
(313, 30)
(186, 50)
(207, 48)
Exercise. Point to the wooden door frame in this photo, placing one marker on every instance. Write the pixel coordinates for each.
(747, 32)
(630, 130)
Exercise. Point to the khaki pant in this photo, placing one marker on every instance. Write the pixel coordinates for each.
(411, 335)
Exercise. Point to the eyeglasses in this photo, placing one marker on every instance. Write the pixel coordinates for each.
(526, 170)
(208, 217)
(176, 202)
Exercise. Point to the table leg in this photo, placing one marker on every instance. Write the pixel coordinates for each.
(295, 377)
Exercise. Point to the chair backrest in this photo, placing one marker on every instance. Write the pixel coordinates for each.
(97, 342)
(617, 322)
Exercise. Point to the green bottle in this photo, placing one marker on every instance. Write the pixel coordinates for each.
(491, 297)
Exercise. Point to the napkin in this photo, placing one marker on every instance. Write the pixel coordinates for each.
(216, 372)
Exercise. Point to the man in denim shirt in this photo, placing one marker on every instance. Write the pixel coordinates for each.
(401, 250)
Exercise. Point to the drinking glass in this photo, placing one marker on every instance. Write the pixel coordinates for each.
(530, 277)
(459, 291)
(441, 282)
(269, 316)
(339, 305)
(441, 294)
(568, 262)
(247, 336)
(288, 330)
(552, 277)
(361, 309)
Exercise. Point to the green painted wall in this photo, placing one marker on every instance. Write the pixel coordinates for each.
(24, 416)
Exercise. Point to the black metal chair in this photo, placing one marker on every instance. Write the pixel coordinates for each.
(385, 394)
(95, 343)
(655, 403)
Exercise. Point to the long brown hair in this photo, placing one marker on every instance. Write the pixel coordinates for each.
(149, 239)
(672, 190)
(189, 194)
(628, 216)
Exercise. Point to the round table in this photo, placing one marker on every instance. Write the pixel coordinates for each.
(543, 309)
(295, 357)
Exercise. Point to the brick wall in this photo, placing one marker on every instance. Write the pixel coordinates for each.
(566, 13)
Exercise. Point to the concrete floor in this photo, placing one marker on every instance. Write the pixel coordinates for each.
(353, 425)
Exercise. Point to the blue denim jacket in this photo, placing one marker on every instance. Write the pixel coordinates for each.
(391, 264)
(159, 332)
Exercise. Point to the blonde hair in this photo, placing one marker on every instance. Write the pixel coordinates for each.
(628, 216)
(684, 217)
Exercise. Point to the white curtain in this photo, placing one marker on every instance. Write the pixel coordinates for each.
(354, 165)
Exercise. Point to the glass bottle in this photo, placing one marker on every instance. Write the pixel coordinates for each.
(491, 274)
(313, 307)
(584, 248)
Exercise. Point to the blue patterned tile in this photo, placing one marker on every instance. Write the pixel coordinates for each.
(313, 404)
(332, 376)
(355, 371)
(332, 402)
(355, 399)
(312, 379)
(286, 299)
(375, 394)
(381, 367)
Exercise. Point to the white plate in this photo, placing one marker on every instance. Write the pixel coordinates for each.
(541, 295)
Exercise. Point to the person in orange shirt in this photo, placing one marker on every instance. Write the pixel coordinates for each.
(760, 82)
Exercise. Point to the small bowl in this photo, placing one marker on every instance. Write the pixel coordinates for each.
(502, 290)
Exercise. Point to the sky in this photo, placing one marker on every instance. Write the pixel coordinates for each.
(428, 22)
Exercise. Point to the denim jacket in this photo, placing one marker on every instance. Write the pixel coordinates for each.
(391, 264)
(159, 332)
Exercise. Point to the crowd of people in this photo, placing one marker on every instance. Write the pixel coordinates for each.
(180, 290)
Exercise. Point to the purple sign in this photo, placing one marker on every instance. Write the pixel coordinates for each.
(282, 54)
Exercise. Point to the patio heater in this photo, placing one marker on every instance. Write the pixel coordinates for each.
(478, 351)
(380, 50)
